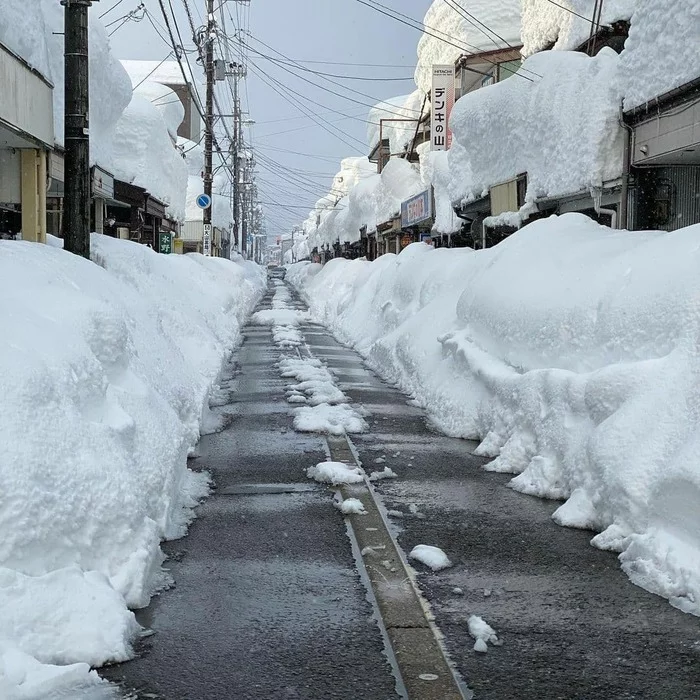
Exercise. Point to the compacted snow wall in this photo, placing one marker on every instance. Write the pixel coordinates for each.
(570, 351)
(105, 371)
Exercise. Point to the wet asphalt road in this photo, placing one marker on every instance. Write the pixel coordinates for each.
(268, 603)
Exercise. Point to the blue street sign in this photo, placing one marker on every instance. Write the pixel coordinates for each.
(204, 201)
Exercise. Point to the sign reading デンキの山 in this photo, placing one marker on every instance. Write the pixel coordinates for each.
(442, 98)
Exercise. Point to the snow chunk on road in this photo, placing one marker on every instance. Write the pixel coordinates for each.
(279, 317)
(287, 336)
(482, 633)
(330, 420)
(352, 506)
(432, 557)
(386, 473)
(335, 473)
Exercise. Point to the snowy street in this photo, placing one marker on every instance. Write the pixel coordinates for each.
(269, 601)
(350, 355)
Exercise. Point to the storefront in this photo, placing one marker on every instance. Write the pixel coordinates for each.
(26, 137)
(416, 218)
(126, 213)
(102, 192)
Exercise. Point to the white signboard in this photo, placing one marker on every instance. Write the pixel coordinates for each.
(442, 99)
(206, 240)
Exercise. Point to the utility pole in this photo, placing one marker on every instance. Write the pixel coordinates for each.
(209, 127)
(236, 164)
(76, 215)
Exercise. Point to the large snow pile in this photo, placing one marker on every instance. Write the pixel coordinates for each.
(663, 49)
(400, 134)
(105, 371)
(482, 25)
(556, 120)
(35, 31)
(566, 24)
(571, 352)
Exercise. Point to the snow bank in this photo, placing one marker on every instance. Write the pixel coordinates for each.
(561, 128)
(571, 351)
(35, 32)
(105, 370)
(489, 26)
(564, 24)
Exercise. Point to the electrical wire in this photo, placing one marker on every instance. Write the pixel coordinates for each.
(114, 7)
(374, 99)
(431, 31)
(282, 91)
(568, 9)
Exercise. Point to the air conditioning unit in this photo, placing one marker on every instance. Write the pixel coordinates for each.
(123, 232)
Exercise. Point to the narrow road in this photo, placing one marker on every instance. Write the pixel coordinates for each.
(268, 601)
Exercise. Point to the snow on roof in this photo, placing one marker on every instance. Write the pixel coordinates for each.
(662, 51)
(145, 155)
(167, 103)
(400, 134)
(36, 35)
(370, 201)
(561, 128)
(165, 72)
(565, 25)
(483, 25)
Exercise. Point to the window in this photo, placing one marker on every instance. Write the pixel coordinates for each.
(507, 68)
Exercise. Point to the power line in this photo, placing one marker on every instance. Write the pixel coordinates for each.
(374, 99)
(114, 7)
(568, 9)
(333, 75)
(430, 31)
(298, 153)
(485, 30)
(357, 65)
(270, 83)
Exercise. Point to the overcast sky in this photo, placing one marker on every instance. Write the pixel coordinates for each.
(338, 31)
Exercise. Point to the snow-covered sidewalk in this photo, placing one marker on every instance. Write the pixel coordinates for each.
(105, 372)
(570, 352)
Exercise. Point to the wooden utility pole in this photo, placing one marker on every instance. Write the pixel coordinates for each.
(76, 215)
(209, 127)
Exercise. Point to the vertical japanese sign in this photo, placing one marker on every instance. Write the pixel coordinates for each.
(165, 243)
(442, 99)
(206, 240)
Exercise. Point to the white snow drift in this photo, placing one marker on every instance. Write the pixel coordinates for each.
(571, 352)
(105, 370)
